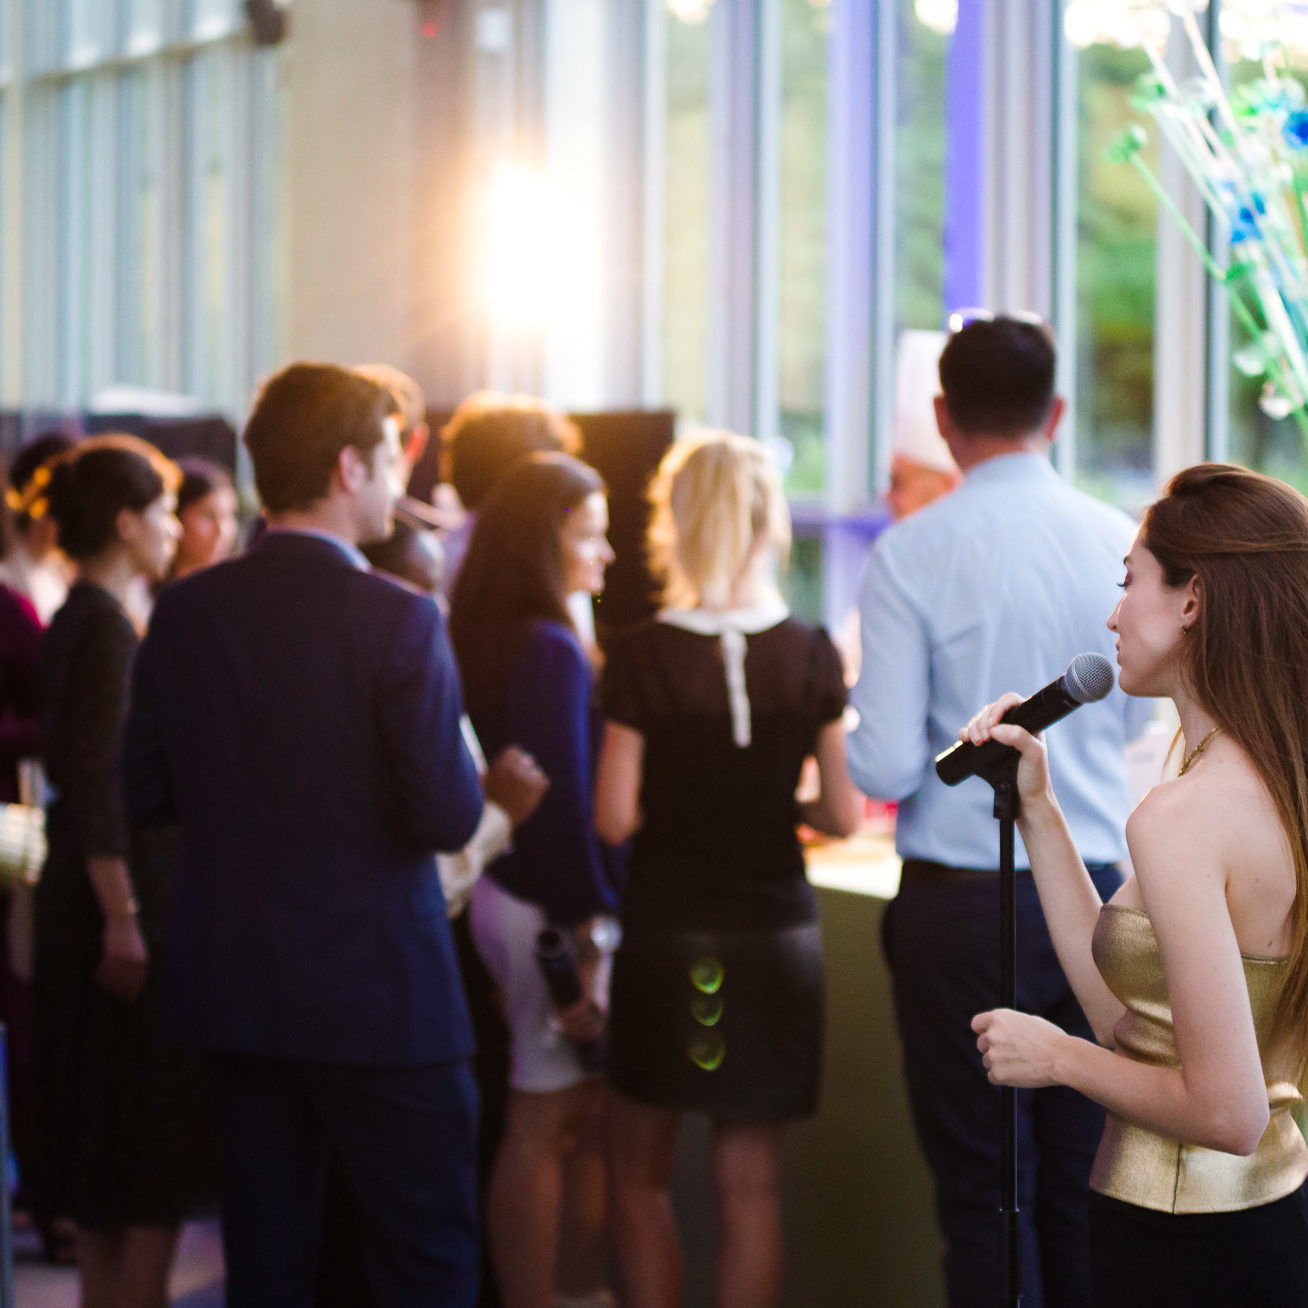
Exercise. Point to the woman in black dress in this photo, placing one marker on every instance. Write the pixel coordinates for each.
(717, 1000)
(118, 1108)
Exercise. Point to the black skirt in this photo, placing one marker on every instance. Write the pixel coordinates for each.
(728, 1024)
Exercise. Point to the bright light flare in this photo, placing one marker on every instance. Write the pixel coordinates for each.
(939, 15)
(536, 264)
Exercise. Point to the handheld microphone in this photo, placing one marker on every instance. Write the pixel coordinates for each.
(1088, 677)
(555, 960)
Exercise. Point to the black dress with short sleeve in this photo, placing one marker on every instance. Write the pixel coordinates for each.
(717, 994)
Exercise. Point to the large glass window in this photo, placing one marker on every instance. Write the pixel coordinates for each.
(1115, 286)
(148, 166)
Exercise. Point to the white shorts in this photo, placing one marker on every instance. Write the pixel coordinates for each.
(504, 930)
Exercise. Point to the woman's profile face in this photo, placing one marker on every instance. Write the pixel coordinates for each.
(583, 542)
(152, 536)
(208, 528)
(1149, 621)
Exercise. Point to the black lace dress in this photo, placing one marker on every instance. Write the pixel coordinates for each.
(122, 1124)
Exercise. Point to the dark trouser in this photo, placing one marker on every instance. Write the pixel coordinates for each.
(942, 943)
(405, 1139)
(1253, 1258)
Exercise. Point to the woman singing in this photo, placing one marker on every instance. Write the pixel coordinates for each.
(1195, 974)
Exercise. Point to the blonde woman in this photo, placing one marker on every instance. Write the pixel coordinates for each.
(717, 1002)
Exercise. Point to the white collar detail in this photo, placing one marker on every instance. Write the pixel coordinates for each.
(731, 626)
(713, 622)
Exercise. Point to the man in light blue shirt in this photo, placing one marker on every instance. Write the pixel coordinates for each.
(995, 587)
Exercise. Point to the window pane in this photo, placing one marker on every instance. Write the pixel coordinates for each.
(209, 18)
(75, 208)
(1116, 223)
(801, 333)
(88, 31)
(920, 174)
(686, 220)
(141, 238)
(210, 114)
(144, 25)
(801, 582)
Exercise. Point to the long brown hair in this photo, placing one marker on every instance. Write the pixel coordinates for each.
(1244, 536)
(512, 574)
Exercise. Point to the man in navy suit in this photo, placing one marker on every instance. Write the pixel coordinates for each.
(299, 717)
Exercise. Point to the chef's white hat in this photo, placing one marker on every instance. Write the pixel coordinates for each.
(917, 383)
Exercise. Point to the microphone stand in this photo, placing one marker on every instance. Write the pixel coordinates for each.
(1002, 777)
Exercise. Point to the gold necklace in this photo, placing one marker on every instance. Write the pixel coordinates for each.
(1196, 751)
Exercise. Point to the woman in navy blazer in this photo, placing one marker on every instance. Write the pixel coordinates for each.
(527, 680)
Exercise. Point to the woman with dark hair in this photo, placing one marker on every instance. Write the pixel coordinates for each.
(527, 681)
(1195, 974)
(206, 510)
(117, 1113)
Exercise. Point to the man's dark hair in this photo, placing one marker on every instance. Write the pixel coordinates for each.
(997, 377)
(304, 416)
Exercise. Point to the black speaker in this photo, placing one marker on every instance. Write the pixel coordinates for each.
(625, 449)
(267, 20)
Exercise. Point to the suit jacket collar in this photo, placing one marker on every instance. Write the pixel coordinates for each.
(311, 544)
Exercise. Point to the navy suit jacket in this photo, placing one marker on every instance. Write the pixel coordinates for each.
(299, 717)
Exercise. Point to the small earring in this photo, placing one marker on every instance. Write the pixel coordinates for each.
(1185, 631)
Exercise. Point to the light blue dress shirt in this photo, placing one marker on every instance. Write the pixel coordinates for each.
(995, 587)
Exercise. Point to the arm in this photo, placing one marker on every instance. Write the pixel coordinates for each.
(514, 786)
(420, 707)
(95, 703)
(551, 719)
(1217, 1097)
(125, 958)
(617, 784)
(838, 806)
(888, 750)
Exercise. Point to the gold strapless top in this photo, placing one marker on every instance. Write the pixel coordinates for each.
(1141, 1167)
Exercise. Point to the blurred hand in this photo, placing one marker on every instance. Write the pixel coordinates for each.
(584, 1021)
(1033, 770)
(123, 964)
(515, 782)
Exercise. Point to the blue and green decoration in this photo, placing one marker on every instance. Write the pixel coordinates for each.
(1246, 150)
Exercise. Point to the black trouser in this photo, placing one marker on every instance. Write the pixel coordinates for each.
(405, 1139)
(942, 943)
